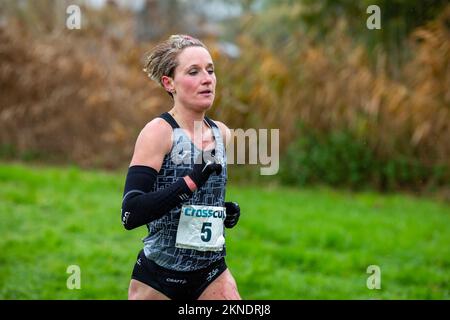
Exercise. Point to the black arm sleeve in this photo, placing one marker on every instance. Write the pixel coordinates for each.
(140, 206)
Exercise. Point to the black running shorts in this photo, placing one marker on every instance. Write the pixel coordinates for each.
(177, 285)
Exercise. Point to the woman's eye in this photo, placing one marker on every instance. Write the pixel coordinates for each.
(194, 72)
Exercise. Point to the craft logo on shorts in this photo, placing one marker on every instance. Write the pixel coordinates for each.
(179, 281)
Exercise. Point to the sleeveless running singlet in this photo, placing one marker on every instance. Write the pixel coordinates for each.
(159, 245)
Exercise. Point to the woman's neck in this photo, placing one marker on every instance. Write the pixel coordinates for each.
(186, 118)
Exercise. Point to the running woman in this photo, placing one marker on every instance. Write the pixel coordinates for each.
(176, 182)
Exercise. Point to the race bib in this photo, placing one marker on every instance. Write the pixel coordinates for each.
(201, 228)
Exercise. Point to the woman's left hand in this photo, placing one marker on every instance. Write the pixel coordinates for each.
(233, 212)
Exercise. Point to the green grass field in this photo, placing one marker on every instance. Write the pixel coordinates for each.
(290, 244)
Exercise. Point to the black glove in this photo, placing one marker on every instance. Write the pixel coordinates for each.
(204, 166)
(233, 213)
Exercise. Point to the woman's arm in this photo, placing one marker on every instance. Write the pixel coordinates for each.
(139, 205)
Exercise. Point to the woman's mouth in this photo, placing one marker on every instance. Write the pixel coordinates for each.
(206, 92)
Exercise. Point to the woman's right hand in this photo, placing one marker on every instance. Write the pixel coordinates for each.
(205, 165)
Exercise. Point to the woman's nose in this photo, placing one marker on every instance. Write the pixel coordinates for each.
(207, 78)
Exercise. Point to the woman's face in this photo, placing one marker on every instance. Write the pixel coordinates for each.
(194, 79)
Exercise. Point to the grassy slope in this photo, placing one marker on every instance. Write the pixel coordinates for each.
(290, 244)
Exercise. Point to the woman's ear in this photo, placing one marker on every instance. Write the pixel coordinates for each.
(167, 82)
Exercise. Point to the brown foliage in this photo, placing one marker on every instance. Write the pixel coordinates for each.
(333, 85)
(73, 98)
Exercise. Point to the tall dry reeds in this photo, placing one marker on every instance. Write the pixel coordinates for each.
(334, 86)
(76, 97)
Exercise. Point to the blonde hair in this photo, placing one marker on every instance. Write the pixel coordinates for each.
(162, 59)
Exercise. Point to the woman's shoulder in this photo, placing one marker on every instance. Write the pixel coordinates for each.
(153, 143)
(157, 126)
(157, 131)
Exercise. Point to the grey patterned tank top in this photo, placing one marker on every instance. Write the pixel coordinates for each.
(159, 245)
